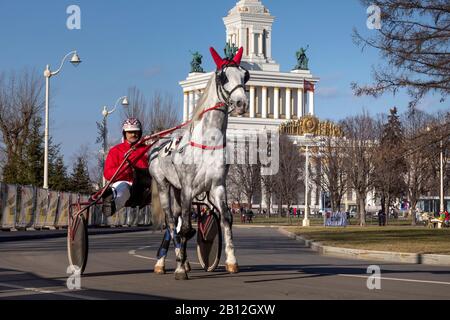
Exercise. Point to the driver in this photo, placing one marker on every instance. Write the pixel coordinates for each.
(116, 197)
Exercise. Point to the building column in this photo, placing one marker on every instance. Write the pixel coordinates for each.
(299, 103)
(311, 102)
(288, 104)
(252, 102)
(260, 44)
(276, 103)
(269, 44)
(264, 103)
(243, 40)
(252, 43)
(191, 104)
(196, 98)
(185, 106)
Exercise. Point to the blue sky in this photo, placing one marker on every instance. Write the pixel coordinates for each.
(146, 43)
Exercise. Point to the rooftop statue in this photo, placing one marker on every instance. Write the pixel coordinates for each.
(196, 63)
(230, 51)
(302, 59)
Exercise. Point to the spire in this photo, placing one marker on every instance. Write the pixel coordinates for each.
(249, 25)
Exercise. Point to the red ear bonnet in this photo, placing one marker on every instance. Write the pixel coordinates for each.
(217, 59)
(221, 62)
(237, 58)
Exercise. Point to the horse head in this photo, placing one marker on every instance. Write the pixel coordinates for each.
(231, 78)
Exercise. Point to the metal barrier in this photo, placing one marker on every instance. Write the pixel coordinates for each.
(26, 207)
(9, 206)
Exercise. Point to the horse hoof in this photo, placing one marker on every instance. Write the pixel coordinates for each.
(232, 268)
(181, 276)
(187, 266)
(159, 270)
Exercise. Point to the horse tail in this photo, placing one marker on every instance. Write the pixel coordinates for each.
(158, 216)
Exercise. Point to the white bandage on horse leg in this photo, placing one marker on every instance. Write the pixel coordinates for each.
(180, 222)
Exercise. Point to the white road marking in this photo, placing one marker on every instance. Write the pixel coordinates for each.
(396, 279)
(133, 253)
(55, 292)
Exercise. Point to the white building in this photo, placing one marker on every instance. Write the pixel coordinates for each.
(275, 96)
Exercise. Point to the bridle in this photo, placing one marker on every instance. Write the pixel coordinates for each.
(223, 94)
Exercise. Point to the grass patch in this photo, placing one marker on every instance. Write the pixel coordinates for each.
(390, 238)
(315, 221)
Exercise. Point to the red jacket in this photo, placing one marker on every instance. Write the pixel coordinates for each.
(115, 157)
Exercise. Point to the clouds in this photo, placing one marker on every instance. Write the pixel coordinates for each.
(147, 72)
(327, 92)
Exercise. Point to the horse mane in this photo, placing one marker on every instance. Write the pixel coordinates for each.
(202, 103)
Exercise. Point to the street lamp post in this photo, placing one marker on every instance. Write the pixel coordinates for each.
(105, 114)
(441, 173)
(306, 222)
(75, 60)
(306, 219)
(442, 178)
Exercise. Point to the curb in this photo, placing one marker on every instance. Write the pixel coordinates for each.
(359, 254)
(36, 235)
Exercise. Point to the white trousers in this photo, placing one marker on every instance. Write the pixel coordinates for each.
(121, 193)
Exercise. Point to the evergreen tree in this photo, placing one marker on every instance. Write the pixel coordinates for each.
(13, 172)
(28, 168)
(34, 155)
(80, 180)
(58, 179)
(390, 165)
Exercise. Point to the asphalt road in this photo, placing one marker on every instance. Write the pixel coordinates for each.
(272, 267)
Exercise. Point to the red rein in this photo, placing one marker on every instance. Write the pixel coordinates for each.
(149, 143)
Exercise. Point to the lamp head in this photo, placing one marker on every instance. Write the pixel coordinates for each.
(75, 59)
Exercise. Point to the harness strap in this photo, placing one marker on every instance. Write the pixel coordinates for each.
(202, 146)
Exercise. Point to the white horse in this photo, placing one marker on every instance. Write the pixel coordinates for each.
(196, 164)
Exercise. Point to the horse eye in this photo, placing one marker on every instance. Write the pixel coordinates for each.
(224, 79)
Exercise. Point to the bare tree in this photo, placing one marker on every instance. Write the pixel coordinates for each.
(137, 107)
(360, 141)
(291, 163)
(419, 158)
(414, 41)
(439, 141)
(20, 102)
(244, 178)
(332, 176)
(162, 113)
(155, 115)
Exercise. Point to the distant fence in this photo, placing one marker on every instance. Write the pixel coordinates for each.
(23, 207)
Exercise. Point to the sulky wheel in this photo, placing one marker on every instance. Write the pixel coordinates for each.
(209, 241)
(77, 243)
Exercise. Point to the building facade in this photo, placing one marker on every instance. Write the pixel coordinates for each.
(275, 96)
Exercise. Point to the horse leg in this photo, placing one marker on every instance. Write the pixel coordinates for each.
(220, 200)
(186, 232)
(176, 210)
(162, 252)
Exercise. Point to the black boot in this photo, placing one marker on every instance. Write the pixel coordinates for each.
(108, 207)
